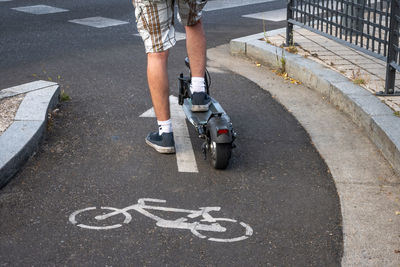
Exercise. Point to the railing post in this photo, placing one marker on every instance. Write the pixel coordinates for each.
(289, 27)
(392, 51)
(359, 14)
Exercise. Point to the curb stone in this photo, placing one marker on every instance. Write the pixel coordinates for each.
(22, 138)
(366, 110)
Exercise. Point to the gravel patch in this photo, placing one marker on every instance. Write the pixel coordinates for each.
(8, 109)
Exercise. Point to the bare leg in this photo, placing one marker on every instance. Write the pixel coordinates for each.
(157, 77)
(196, 49)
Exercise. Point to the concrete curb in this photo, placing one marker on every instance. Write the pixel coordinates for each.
(23, 136)
(366, 110)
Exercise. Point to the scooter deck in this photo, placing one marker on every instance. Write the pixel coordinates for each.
(201, 118)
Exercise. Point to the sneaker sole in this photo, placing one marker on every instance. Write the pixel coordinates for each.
(161, 149)
(200, 108)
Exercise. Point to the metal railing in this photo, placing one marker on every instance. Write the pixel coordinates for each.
(369, 26)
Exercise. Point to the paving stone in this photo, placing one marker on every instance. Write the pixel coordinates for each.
(306, 42)
(393, 102)
(385, 132)
(373, 65)
(347, 53)
(373, 77)
(16, 136)
(299, 38)
(17, 145)
(378, 71)
(35, 104)
(326, 53)
(24, 88)
(345, 67)
(331, 57)
(315, 48)
(380, 75)
(340, 61)
(360, 60)
(337, 49)
(306, 32)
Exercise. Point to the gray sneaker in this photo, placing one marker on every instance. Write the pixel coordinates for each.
(200, 102)
(162, 143)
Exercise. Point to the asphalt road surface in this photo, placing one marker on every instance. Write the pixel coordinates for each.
(95, 155)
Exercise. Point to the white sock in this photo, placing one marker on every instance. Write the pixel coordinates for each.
(164, 126)
(197, 85)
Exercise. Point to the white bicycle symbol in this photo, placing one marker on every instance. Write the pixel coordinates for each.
(181, 223)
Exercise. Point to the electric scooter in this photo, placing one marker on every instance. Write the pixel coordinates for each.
(214, 125)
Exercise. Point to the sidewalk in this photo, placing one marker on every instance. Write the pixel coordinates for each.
(345, 77)
(362, 69)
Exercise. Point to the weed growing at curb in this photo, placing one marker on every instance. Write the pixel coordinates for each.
(359, 81)
(281, 71)
(397, 113)
(357, 78)
(63, 96)
(292, 48)
(265, 33)
(281, 63)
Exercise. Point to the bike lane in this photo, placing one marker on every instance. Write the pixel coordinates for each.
(95, 156)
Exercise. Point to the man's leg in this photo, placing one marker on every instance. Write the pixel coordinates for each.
(196, 48)
(154, 23)
(157, 76)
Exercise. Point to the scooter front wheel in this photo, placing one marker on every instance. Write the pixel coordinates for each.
(220, 154)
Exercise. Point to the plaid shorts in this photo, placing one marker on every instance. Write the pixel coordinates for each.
(155, 20)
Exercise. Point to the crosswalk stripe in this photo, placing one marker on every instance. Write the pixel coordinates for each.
(39, 9)
(98, 22)
(273, 15)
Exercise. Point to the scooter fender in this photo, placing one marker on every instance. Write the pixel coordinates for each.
(220, 123)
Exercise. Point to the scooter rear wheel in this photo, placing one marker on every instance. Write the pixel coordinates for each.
(220, 154)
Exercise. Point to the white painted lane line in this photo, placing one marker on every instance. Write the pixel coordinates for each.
(148, 114)
(273, 15)
(223, 4)
(98, 22)
(183, 145)
(5, 0)
(40, 9)
(179, 36)
(185, 158)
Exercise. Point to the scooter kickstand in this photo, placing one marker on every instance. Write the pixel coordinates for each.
(204, 149)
